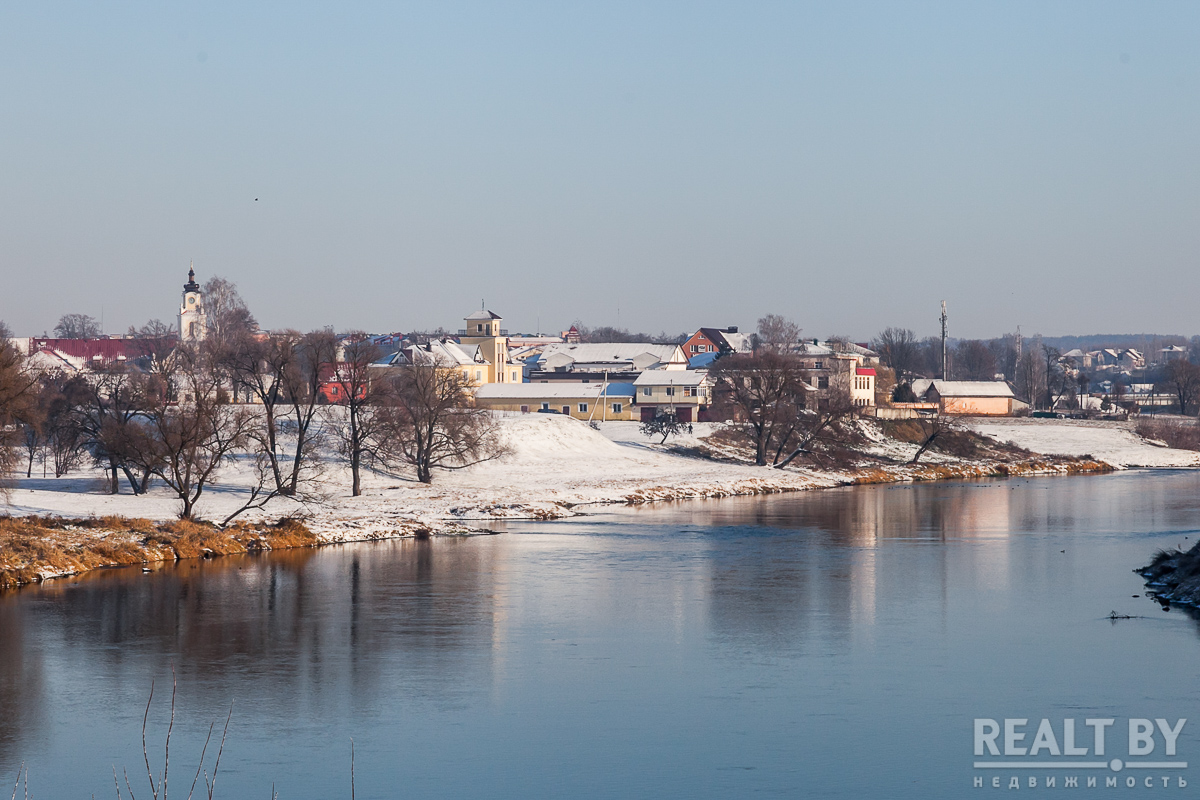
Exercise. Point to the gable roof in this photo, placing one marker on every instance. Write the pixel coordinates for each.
(922, 386)
(481, 314)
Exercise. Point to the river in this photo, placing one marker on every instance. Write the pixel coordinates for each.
(835, 643)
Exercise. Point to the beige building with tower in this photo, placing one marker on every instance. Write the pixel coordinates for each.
(483, 332)
(193, 322)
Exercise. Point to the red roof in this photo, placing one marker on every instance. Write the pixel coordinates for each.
(864, 371)
(94, 349)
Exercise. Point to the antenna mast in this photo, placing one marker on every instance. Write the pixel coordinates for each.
(945, 374)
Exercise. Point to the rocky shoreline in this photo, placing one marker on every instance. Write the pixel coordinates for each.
(1174, 575)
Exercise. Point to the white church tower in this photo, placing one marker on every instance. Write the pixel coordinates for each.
(192, 318)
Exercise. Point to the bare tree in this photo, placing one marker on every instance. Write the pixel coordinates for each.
(763, 392)
(77, 326)
(897, 347)
(974, 361)
(777, 334)
(103, 406)
(811, 425)
(933, 428)
(225, 311)
(185, 444)
(351, 376)
(428, 421)
(1183, 380)
(17, 395)
(283, 374)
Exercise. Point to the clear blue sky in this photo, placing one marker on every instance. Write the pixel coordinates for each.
(845, 164)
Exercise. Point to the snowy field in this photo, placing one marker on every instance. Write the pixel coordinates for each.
(557, 467)
(1112, 442)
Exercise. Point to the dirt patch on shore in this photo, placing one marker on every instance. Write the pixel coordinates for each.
(33, 549)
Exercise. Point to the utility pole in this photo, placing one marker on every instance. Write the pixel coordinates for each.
(945, 375)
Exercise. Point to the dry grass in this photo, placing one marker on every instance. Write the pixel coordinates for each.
(1181, 434)
(35, 548)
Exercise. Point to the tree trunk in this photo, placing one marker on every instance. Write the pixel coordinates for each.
(355, 484)
(114, 482)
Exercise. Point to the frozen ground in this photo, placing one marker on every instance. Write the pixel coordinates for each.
(1111, 442)
(557, 467)
(556, 464)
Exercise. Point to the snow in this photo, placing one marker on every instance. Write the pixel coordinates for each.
(1112, 442)
(556, 467)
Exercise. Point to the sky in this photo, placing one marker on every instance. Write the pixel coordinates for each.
(657, 166)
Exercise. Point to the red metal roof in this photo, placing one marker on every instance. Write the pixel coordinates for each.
(864, 371)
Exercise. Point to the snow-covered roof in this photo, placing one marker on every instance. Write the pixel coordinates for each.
(962, 388)
(558, 389)
(1076, 353)
(482, 314)
(636, 355)
(671, 377)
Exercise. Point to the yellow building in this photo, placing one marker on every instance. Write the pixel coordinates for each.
(602, 402)
(490, 343)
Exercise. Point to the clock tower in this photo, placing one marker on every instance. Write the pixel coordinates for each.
(191, 312)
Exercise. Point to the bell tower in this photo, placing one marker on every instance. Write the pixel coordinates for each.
(192, 319)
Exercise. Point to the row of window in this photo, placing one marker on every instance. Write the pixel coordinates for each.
(703, 348)
(688, 391)
(583, 408)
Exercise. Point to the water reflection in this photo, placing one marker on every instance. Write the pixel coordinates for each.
(685, 642)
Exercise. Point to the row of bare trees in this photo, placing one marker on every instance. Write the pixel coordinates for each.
(243, 396)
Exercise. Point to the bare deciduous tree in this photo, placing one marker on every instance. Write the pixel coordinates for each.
(897, 347)
(77, 326)
(17, 395)
(283, 374)
(933, 427)
(1183, 380)
(225, 311)
(777, 334)
(185, 444)
(812, 424)
(763, 393)
(353, 420)
(429, 421)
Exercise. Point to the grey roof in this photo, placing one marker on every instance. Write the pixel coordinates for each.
(481, 314)
(671, 377)
(962, 388)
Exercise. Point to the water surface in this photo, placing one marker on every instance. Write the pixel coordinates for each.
(835, 643)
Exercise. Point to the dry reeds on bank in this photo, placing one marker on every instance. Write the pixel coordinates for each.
(33, 549)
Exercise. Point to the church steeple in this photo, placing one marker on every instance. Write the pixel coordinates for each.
(192, 319)
(191, 285)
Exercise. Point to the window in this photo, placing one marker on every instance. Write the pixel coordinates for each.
(567, 410)
(703, 392)
(524, 409)
(545, 406)
(823, 383)
(645, 391)
(479, 329)
(583, 408)
(689, 391)
(818, 365)
(670, 391)
(334, 391)
(616, 407)
(478, 375)
(695, 349)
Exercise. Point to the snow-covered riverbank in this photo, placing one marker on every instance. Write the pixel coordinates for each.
(1114, 443)
(558, 467)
